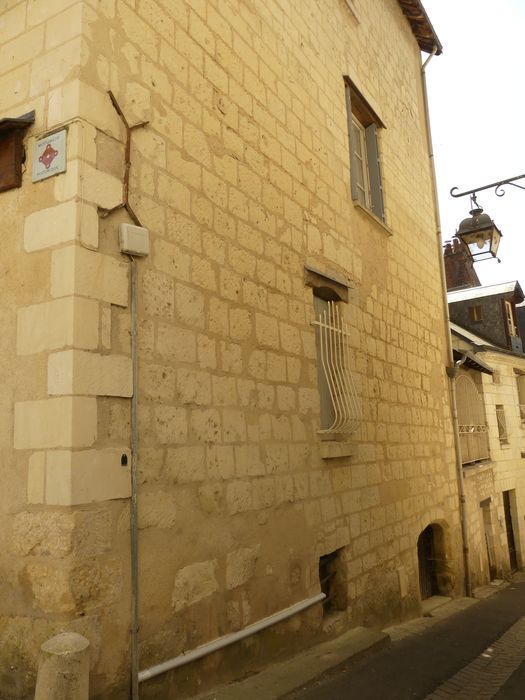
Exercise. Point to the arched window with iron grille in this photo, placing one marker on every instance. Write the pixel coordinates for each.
(473, 432)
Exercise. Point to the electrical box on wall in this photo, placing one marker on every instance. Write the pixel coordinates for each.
(134, 240)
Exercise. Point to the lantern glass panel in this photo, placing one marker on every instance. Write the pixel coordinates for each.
(482, 243)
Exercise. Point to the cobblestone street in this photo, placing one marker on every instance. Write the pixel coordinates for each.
(477, 653)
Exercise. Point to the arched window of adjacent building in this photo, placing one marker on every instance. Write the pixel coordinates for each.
(473, 432)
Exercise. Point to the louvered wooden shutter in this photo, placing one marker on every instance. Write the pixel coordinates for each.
(374, 171)
(351, 144)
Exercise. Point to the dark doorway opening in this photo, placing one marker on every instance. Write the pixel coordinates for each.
(509, 498)
(426, 555)
(489, 536)
(332, 582)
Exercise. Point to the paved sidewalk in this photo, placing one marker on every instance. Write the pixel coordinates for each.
(484, 676)
(476, 653)
(466, 649)
(281, 678)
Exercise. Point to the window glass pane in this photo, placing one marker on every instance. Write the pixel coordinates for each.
(360, 174)
(510, 319)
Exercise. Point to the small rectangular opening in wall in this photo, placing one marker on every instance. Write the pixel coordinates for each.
(332, 582)
(502, 424)
(475, 313)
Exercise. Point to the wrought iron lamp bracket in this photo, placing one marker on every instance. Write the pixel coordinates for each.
(498, 188)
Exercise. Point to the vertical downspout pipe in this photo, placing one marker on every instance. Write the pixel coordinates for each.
(134, 505)
(452, 369)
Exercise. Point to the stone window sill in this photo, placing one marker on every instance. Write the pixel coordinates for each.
(334, 449)
(374, 218)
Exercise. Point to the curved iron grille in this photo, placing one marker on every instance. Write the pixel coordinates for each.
(473, 431)
(334, 358)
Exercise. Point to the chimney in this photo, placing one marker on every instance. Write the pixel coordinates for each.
(459, 266)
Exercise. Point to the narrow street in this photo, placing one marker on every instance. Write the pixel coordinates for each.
(477, 653)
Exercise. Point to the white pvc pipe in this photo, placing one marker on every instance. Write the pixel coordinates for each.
(228, 639)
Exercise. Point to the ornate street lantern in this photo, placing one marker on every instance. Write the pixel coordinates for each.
(479, 234)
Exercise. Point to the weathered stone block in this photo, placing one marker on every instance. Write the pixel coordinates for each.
(62, 223)
(186, 464)
(75, 270)
(88, 373)
(194, 583)
(36, 478)
(43, 533)
(87, 476)
(240, 566)
(69, 421)
(171, 425)
(56, 324)
(267, 331)
(157, 509)
(50, 585)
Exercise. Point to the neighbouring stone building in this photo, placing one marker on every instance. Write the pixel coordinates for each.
(277, 152)
(491, 417)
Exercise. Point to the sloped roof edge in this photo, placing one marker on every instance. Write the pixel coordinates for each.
(481, 345)
(471, 360)
(486, 291)
(472, 337)
(421, 25)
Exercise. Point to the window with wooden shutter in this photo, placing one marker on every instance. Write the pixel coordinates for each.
(520, 381)
(511, 324)
(365, 163)
(475, 313)
(502, 425)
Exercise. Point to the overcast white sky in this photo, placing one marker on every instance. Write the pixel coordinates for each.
(477, 111)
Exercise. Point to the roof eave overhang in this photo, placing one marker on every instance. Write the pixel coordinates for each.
(470, 360)
(23, 122)
(421, 26)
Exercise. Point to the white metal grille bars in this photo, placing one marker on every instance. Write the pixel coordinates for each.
(336, 383)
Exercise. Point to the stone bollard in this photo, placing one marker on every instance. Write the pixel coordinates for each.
(63, 670)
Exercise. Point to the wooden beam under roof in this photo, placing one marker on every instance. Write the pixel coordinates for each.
(421, 26)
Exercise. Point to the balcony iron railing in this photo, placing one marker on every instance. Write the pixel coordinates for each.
(473, 431)
(474, 443)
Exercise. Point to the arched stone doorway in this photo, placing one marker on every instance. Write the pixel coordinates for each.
(435, 577)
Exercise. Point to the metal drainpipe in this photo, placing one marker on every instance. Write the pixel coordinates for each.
(134, 506)
(452, 368)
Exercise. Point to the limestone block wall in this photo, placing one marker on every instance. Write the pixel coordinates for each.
(63, 472)
(480, 487)
(503, 472)
(242, 178)
(508, 458)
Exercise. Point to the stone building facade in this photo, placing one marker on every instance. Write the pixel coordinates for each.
(491, 412)
(490, 312)
(239, 167)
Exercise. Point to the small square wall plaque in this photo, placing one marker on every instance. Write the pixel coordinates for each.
(49, 155)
